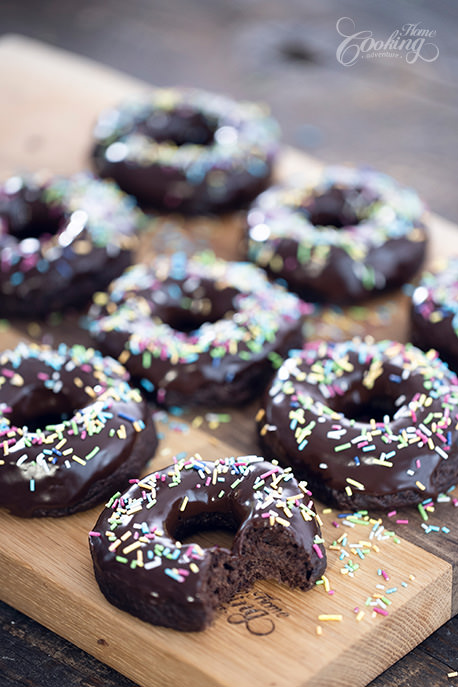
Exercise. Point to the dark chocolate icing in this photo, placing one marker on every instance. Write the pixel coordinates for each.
(142, 566)
(364, 422)
(434, 311)
(187, 150)
(71, 428)
(352, 235)
(198, 331)
(61, 240)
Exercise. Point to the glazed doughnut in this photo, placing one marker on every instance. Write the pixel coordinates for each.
(434, 312)
(61, 239)
(71, 429)
(197, 330)
(353, 234)
(188, 151)
(367, 424)
(143, 568)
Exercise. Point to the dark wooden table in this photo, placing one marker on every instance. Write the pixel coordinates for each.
(399, 117)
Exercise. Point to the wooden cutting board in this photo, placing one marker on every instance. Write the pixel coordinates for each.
(269, 636)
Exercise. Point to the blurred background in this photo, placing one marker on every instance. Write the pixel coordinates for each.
(398, 116)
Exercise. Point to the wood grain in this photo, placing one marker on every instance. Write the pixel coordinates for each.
(42, 579)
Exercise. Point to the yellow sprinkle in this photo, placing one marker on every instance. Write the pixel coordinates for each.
(132, 547)
(197, 421)
(282, 521)
(140, 558)
(184, 503)
(114, 545)
(90, 391)
(137, 426)
(325, 617)
(326, 583)
(77, 381)
(319, 630)
(6, 451)
(356, 484)
(349, 491)
(260, 414)
(79, 460)
(360, 616)
(326, 511)
(420, 485)
(454, 673)
(124, 357)
(121, 432)
(194, 567)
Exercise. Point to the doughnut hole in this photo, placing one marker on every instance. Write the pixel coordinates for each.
(335, 207)
(186, 306)
(41, 408)
(179, 126)
(26, 215)
(208, 530)
(362, 405)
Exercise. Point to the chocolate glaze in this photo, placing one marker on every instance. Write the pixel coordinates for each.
(61, 446)
(209, 335)
(187, 151)
(434, 312)
(347, 411)
(142, 567)
(353, 235)
(60, 242)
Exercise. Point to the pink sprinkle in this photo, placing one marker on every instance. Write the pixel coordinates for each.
(336, 524)
(7, 373)
(268, 474)
(331, 592)
(391, 513)
(385, 575)
(318, 551)
(208, 481)
(380, 610)
(418, 463)
(402, 522)
(43, 376)
(94, 534)
(134, 481)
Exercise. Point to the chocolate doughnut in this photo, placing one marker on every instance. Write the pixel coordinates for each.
(434, 311)
(142, 566)
(197, 330)
(187, 150)
(367, 424)
(61, 239)
(71, 429)
(353, 234)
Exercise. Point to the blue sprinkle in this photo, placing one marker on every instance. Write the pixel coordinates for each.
(17, 278)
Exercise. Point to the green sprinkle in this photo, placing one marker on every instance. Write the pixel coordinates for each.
(342, 447)
(423, 512)
(92, 453)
